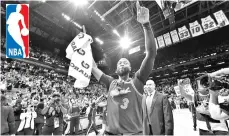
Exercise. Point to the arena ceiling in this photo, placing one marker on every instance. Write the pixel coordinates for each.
(47, 21)
(48, 17)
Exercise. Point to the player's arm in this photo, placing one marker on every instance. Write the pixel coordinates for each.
(151, 52)
(150, 45)
(100, 76)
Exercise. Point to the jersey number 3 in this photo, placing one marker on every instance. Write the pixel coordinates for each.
(125, 103)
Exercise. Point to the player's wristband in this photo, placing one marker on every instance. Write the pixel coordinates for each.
(146, 26)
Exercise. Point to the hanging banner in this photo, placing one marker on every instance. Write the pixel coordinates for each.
(160, 41)
(208, 24)
(174, 36)
(183, 33)
(167, 38)
(221, 18)
(195, 29)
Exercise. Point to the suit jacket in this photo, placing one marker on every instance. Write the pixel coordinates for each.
(160, 116)
(7, 120)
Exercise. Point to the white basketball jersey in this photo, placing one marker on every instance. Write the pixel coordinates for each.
(167, 39)
(183, 33)
(161, 41)
(174, 36)
(208, 24)
(221, 18)
(195, 29)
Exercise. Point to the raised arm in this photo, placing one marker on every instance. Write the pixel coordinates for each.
(100, 76)
(96, 71)
(150, 45)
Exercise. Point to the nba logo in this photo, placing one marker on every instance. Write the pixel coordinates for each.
(17, 30)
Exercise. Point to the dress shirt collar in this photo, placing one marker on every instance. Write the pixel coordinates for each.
(151, 94)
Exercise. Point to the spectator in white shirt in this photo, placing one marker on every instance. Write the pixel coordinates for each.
(26, 126)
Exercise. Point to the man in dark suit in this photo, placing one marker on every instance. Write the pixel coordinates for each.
(7, 118)
(157, 112)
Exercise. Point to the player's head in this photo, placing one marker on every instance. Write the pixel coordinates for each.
(123, 67)
(18, 8)
(150, 86)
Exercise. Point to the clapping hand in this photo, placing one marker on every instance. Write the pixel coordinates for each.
(142, 14)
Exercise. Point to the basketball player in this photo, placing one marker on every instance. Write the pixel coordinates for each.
(14, 29)
(124, 110)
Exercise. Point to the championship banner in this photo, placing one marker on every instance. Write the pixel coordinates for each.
(174, 36)
(195, 29)
(167, 39)
(177, 90)
(183, 33)
(221, 18)
(160, 41)
(208, 24)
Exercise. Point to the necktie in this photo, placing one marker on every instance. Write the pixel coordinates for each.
(148, 102)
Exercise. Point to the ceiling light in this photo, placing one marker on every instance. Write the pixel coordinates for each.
(125, 42)
(98, 40)
(66, 17)
(79, 2)
(116, 32)
(77, 25)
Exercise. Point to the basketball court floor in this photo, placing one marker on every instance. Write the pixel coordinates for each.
(183, 124)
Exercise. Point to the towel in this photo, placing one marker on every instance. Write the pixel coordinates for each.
(79, 51)
(80, 41)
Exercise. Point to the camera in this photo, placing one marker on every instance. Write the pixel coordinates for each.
(213, 83)
(57, 101)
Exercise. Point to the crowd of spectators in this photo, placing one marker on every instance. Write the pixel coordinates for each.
(31, 85)
(182, 57)
(41, 55)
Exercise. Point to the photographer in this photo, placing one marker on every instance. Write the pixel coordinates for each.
(206, 124)
(218, 110)
(17, 112)
(53, 112)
